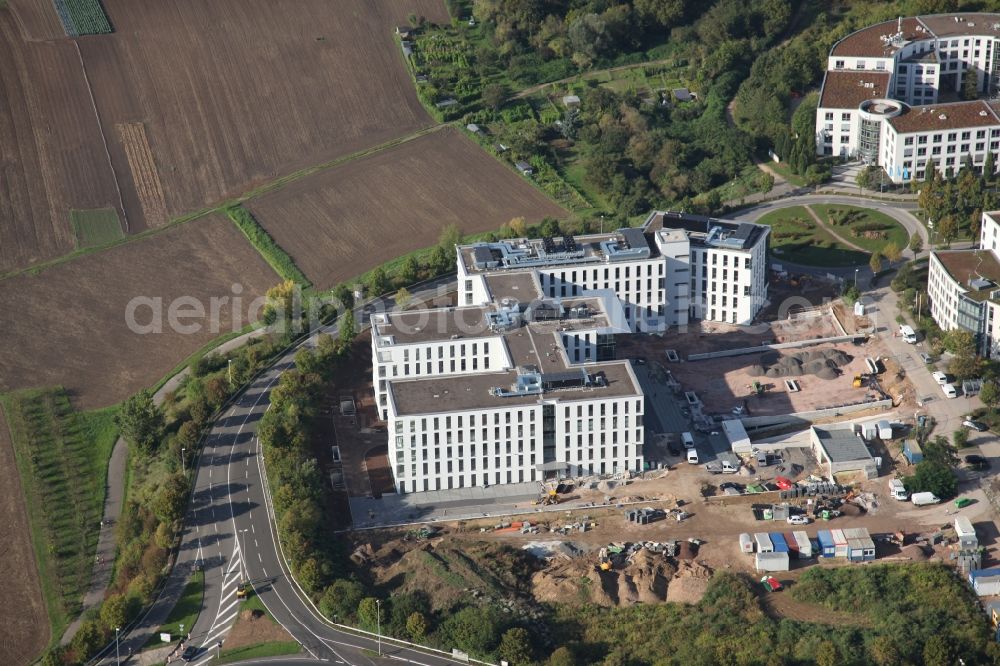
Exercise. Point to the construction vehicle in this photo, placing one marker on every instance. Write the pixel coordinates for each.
(241, 591)
(549, 497)
(857, 381)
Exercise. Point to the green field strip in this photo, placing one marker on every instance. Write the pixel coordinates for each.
(95, 227)
(266, 246)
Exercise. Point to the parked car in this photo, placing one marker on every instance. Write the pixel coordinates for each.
(191, 653)
(674, 451)
(963, 502)
(798, 520)
(978, 426)
(940, 377)
(977, 462)
(926, 358)
(729, 484)
(771, 584)
(783, 483)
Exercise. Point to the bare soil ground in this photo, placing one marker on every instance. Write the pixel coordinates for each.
(22, 615)
(37, 19)
(67, 324)
(233, 93)
(253, 627)
(52, 157)
(339, 223)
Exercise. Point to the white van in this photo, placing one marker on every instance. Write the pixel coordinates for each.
(692, 456)
(940, 377)
(906, 332)
(688, 440)
(898, 490)
(949, 390)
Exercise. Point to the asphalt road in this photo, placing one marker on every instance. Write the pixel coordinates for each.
(229, 532)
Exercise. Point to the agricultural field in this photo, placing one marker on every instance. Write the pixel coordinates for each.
(62, 459)
(52, 158)
(339, 223)
(22, 615)
(798, 238)
(81, 307)
(37, 19)
(82, 17)
(93, 228)
(203, 101)
(865, 227)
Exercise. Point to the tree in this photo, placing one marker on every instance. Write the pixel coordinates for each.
(171, 499)
(866, 177)
(851, 294)
(403, 298)
(932, 476)
(964, 366)
(990, 394)
(518, 227)
(309, 361)
(826, 654)
(472, 630)
(494, 95)
(368, 613)
(141, 422)
(450, 236)
(344, 296)
(378, 282)
(989, 167)
(875, 261)
(916, 244)
(348, 329)
(960, 438)
(409, 271)
(892, 252)
(938, 652)
(416, 626)
(970, 83)
(947, 228)
(960, 342)
(341, 599)
(113, 611)
(561, 657)
(310, 575)
(515, 646)
(885, 652)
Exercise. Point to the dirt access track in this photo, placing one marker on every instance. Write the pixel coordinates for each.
(66, 325)
(339, 223)
(189, 103)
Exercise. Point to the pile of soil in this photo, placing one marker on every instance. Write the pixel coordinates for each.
(648, 578)
(915, 552)
(824, 364)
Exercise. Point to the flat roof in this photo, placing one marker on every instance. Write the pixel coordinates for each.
(547, 252)
(868, 42)
(698, 229)
(842, 445)
(467, 392)
(522, 286)
(843, 89)
(969, 23)
(955, 115)
(966, 265)
(416, 326)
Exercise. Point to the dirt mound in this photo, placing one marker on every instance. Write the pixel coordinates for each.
(756, 370)
(914, 551)
(827, 373)
(648, 578)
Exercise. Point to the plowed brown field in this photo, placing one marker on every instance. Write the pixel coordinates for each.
(52, 157)
(344, 221)
(67, 326)
(233, 93)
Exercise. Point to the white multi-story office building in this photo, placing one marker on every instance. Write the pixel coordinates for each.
(674, 268)
(891, 91)
(515, 390)
(963, 287)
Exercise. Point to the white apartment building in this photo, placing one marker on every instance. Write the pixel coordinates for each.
(674, 268)
(515, 390)
(890, 94)
(963, 287)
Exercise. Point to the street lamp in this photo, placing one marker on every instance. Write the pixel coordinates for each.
(183, 463)
(229, 367)
(378, 620)
(118, 659)
(856, 277)
(602, 224)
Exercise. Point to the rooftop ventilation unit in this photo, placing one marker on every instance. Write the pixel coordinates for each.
(982, 113)
(979, 283)
(942, 117)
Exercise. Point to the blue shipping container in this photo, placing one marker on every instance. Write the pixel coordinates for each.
(827, 548)
(778, 540)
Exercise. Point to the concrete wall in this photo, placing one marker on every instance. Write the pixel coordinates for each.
(779, 345)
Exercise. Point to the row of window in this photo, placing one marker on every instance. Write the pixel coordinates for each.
(510, 476)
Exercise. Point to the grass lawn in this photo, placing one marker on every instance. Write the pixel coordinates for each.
(747, 182)
(260, 650)
(62, 458)
(893, 230)
(185, 613)
(797, 238)
(95, 227)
